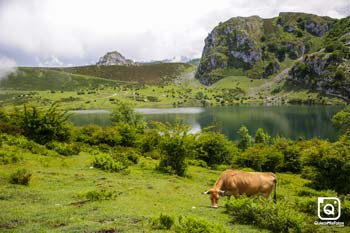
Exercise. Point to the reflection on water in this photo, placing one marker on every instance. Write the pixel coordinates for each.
(288, 121)
(153, 111)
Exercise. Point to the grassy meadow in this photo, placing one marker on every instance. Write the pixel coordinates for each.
(57, 198)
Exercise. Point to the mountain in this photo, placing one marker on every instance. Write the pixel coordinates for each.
(257, 47)
(114, 58)
(328, 70)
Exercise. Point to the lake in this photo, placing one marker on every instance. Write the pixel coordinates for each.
(295, 121)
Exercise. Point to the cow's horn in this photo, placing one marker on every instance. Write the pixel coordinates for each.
(207, 192)
(221, 192)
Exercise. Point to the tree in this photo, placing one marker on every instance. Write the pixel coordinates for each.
(174, 146)
(261, 136)
(45, 126)
(124, 113)
(245, 139)
(341, 120)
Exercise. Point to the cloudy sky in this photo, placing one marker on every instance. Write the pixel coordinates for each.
(78, 32)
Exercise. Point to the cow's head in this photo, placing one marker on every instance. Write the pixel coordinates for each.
(214, 196)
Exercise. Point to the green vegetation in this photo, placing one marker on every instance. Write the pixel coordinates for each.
(113, 183)
(143, 74)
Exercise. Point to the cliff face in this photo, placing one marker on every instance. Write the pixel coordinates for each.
(328, 70)
(256, 47)
(114, 58)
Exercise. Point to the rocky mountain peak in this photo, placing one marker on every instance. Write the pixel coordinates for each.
(114, 58)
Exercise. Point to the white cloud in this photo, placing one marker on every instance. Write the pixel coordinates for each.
(7, 66)
(140, 30)
(51, 61)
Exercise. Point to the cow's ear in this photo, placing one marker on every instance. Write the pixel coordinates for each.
(221, 193)
(207, 192)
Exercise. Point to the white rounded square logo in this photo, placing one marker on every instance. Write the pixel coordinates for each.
(328, 208)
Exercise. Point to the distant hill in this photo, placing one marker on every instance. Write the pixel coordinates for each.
(75, 78)
(36, 78)
(143, 74)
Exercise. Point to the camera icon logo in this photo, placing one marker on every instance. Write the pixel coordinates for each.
(328, 208)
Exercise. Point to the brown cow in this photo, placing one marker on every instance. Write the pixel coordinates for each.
(236, 183)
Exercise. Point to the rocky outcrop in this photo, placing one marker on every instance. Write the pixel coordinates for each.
(256, 46)
(114, 58)
(324, 73)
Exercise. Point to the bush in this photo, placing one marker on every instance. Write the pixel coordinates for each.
(7, 157)
(124, 113)
(261, 136)
(261, 158)
(164, 222)
(196, 225)
(174, 147)
(65, 149)
(97, 195)
(214, 149)
(127, 133)
(45, 126)
(149, 140)
(341, 120)
(106, 162)
(245, 139)
(21, 176)
(327, 165)
(261, 213)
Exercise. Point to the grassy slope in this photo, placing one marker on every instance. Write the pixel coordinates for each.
(144, 74)
(50, 202)
(35, 78)
(45, 205)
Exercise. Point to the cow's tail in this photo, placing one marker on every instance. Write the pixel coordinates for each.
(275, 190)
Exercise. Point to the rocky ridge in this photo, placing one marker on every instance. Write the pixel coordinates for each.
(114, 58)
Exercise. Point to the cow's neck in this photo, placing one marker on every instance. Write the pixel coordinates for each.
(218, 185)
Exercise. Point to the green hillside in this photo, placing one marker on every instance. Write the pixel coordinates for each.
(143, 74)
(35, 78)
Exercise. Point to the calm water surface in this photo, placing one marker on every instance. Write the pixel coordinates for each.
(288, 121)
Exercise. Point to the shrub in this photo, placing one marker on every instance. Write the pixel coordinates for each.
(45, 126)
(327, 165)
(127, 133)
(106, 162)
(341, 120)
(261, 136)
(126, 155)
(174, 147)
(196, 225)
(277, 218)
(245, 139)
(164, 222)
(65, 149)
(261, 158)
(21, 176)
(214, 149)
(97, 195)
(149, 140)
(7, 157)
(124, 113)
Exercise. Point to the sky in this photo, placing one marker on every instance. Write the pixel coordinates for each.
(78, 32)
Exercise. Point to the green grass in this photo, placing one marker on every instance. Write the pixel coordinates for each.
(34, 78)
(239, 81)
(55, 200)
(143, 74)
(52, 200)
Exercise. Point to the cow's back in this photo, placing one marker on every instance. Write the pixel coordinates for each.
(249, 183)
